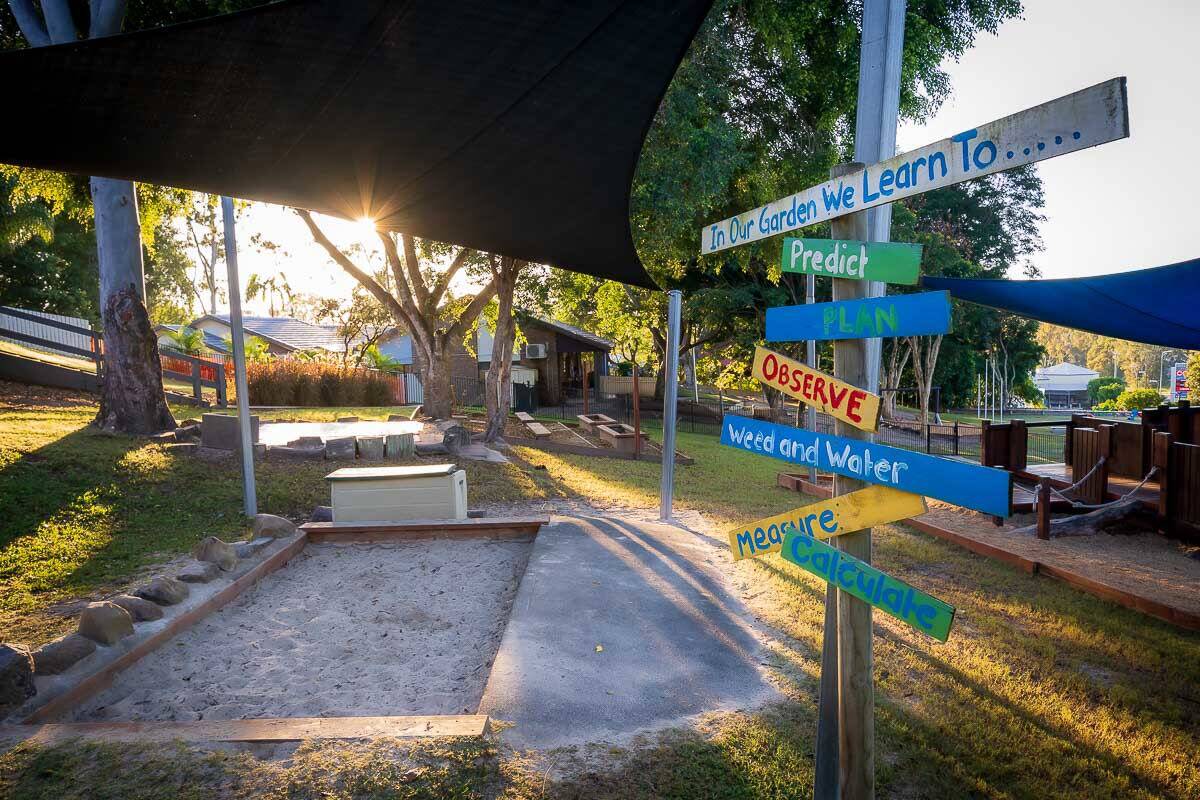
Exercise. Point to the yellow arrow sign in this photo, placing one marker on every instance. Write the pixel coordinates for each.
(874, 505)
(823, 392)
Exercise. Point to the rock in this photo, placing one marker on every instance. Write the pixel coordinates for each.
(347, 419)
(163, 590)
(340, 449)
(260, 452)
(221, 432)
(432, 449)
(61, 654)
(198, 572)
(454, 435)
(16, 677)
(214, 551)
(399, 445)
(307, 441)
(252, 547)
(190, 433)
(296, 453)
(187, 423)
(141, 609)
(397, 418)
(105, 623)
(370, 448)
(269, 525)
(322, 514)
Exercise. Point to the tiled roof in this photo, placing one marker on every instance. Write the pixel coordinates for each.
(289, 332)
(599, 342)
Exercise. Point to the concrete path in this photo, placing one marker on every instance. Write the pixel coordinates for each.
(619, 627)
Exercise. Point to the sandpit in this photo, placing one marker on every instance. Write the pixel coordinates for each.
(397, 628)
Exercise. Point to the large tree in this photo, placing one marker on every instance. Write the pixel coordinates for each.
(420, 302)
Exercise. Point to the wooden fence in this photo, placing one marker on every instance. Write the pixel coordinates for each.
(50, 333)
(1178, 466)
(202, 373)
(1091, 458)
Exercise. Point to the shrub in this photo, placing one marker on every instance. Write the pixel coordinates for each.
(284, 382)
(1107, 405)
(1109, 391)
(1093, 388)
(1132, 399)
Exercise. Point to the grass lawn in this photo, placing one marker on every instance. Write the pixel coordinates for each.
(1040, 692)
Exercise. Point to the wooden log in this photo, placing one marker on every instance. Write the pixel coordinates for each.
(1043, 509)
(1086, 524)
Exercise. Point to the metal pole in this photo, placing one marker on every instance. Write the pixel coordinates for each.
(810, 297)
(670, 401)
(875, 131)
(695, 380)
(239, 358)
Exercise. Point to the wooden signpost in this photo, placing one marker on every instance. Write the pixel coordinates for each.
(859, 579)
(923, 314)
(839, 399)
(874, 505)
(890, 262)
(1089, 117)
(985, 489)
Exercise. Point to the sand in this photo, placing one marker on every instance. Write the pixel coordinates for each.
(343, 630)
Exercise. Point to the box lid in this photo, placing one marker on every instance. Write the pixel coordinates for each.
(377, 473)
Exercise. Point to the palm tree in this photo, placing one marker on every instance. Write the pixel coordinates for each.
(188, 340)
(376, 359)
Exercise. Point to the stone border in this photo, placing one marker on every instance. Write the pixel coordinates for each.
(599, 452)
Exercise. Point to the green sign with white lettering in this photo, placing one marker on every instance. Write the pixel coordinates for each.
(889, 262)
(891, 595)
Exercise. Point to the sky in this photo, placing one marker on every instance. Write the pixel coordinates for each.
(1119, 206)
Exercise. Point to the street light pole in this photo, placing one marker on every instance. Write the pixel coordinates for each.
(238, 335)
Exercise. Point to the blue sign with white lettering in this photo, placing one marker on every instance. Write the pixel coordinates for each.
(924, 314)
(984, 489)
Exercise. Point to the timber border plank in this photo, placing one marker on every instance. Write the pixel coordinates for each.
(511, 528)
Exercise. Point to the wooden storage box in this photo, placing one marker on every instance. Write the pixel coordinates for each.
(389, 494)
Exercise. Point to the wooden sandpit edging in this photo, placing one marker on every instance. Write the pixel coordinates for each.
(37, 726)
(1164, 611)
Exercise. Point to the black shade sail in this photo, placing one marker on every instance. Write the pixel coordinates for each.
(507, 126)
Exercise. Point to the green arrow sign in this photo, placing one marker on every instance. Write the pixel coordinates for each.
(862, 261)
(892, 595)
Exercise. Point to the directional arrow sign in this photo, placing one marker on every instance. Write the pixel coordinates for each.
(890, 262)
(982, 488)
(923, 314)
(1084, 119)
(892, 595)
(866, 508)
(823, 392)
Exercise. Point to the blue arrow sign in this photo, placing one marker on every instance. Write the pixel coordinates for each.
(982, 488)
(921, 314)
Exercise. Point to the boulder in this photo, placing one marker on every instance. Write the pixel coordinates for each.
(397, 418)
(141, 609)
(399, 445)
(296, 453)
(347, 419)
(188, 433)
(105, 623)
(221, 432)
(322, 514)
(214, 551)
(163, 590)
(16, 677)
(432, 449)
(370, 448)
(188, 422)
(341, 448)
(61, 654)
(198, 572)
(307, 442)
(251, 548)
(454, 435)
(269, 525)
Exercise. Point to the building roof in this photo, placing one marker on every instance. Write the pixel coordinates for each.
(1067, 368)
(287, 332)
(1063, 378)
(579, 334)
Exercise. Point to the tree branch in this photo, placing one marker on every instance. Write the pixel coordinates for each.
(472, 311)
(413, 267)
(443, 283)
(108, 17)
(59, 22)
(29, 22)
(367, 282)
(421, 334)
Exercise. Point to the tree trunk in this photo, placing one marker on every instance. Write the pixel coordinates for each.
(439, 389)
(131, 397)
(892, 375)
(498, 388)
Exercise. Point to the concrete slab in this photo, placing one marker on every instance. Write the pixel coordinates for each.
(674, 640)
(284, 432)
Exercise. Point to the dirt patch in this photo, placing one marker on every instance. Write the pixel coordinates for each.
(1143, 563)
(20, 395)
(344, 630)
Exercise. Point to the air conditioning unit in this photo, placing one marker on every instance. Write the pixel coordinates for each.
(535, 351)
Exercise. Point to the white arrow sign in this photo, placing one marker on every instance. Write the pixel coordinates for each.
(1084, 119)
